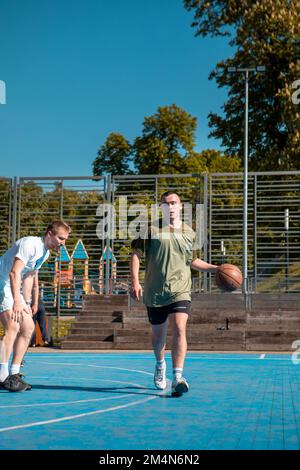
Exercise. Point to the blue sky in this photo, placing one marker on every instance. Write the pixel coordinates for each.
(76, 70)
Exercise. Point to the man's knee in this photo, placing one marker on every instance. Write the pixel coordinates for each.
(27, 328)
(158, 337)
(11, 327)
(179, 331)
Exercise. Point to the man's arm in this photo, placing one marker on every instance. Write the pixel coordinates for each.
(136, 288)
(35, 293)
(199, 265)
(27, 286)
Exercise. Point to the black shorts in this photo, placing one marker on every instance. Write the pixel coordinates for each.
(158, 315)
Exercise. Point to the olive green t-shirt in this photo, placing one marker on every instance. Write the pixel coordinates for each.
(168, 256)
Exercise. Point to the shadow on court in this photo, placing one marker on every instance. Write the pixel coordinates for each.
(120, 390)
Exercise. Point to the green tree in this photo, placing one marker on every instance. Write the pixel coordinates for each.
(5, 214)
(113, 156)
(265, 32)
(168, 137)
(212, 161)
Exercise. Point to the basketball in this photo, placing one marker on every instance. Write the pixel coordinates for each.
(228, 277)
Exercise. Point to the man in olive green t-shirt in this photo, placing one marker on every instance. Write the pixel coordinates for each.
(167, 246)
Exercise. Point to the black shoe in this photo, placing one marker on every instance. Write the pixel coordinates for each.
(29, 387)
(13, 383)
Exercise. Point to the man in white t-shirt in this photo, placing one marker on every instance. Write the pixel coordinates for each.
(19, 268)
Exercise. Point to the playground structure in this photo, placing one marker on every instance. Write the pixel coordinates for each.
(71, 274)
(107, 270)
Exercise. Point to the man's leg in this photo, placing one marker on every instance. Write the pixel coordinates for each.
(33, 337)
(159, 333)
(178, 323)
(41, 318)
(22, 340)
(179, 344)
(11, 329)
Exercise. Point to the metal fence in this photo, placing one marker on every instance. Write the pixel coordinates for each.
(273, 227)
(92, 263)
(64, 279)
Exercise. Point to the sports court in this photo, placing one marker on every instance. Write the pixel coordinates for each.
(94, 401)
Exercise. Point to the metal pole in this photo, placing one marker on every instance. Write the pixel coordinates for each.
(110, 228)
(205, 229)
(15, 210)
(286, 226)
(246, 70)
(245, 208)
(255, 232)
(59, 265)
(223, 252)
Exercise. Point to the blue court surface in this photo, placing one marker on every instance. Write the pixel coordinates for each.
(95, 401)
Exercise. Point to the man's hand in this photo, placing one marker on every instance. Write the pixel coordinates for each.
(17, 310)
(27, 309)
(136, 290)
(34, 309)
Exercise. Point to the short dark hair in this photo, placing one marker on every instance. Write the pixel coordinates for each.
(55, 225)
(169, 193)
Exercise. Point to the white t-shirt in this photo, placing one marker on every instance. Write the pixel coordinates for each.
(30, 250)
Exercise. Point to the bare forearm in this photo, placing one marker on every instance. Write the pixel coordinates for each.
(35, 295)
(136, 289)
(35, 290)
(200, 265)
(134, 267)
(15, 284)
(27, 288)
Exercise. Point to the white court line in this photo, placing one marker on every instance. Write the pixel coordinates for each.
(92, 365)
(59, 403)
(80, 401)
(81, 415)
(262, 356)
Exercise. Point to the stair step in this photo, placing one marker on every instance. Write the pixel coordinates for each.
(77, 329)
(102, 308)
(107, 318)
(92, 331)
(92, 337)
(68, 344)
(97, 323)
(108, 323)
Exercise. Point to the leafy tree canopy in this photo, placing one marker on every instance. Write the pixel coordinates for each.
(113, 156)
(265, 32)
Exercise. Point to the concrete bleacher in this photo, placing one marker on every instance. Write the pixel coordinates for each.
(229, 322)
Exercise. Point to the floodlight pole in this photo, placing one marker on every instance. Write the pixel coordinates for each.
(245, 196)
(286, 227)
(246, 71)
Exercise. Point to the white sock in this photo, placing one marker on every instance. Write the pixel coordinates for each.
(15, 369)
(177, 373)
(3, 371)
(161, 364)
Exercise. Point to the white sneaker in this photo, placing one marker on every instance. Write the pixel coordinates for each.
(179, 386)
(160, 380)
